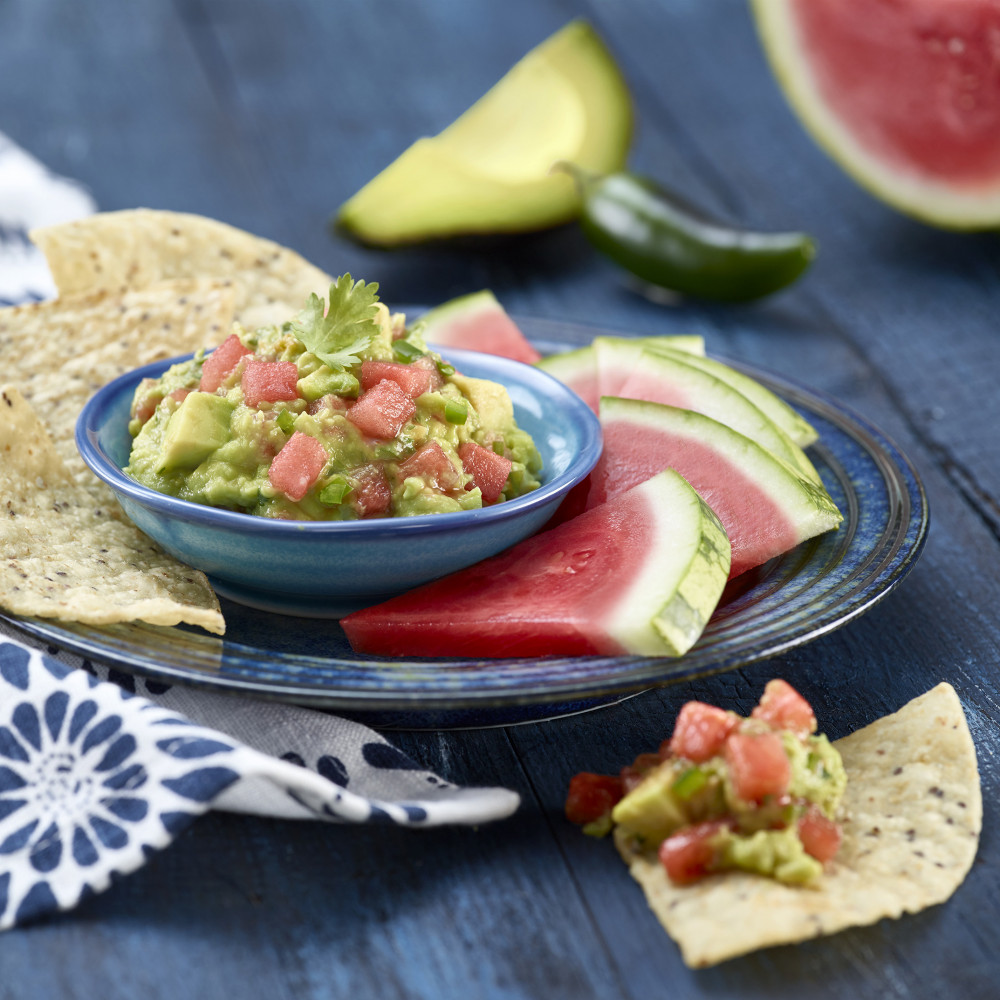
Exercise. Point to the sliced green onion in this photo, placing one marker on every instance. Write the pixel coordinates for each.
(693, 780)
(334, 492)
(456, 411)
(498, 448)
(445, 369)
(286, 421)
(406, 351)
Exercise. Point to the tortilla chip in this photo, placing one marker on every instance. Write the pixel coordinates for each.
(913, 812)
(60, 353)
(140, 247)
(62, 556)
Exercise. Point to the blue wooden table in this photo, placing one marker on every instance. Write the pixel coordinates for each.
(267, 115)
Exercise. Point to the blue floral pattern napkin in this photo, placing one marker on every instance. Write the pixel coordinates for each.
(99, 769)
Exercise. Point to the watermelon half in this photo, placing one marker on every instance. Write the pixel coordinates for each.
(904, 95)
(641, 574)
(764, 506)
(477, 322)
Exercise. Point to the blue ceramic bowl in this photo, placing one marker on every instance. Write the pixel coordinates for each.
(326, 569)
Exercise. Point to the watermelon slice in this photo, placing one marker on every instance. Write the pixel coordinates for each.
(578, 369)
(903, 95)
(774, 407)
(765, 507)
(663, 378)
(640, 574)
(477, 322)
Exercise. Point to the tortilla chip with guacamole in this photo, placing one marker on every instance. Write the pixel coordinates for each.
(903, 837)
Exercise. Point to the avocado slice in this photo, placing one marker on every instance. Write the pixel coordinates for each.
(489, 171)
(198, 426)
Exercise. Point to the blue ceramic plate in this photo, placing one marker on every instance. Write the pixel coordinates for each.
(806, 593)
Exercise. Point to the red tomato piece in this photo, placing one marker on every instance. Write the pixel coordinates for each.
(180, 394)
(489, 470)
(431, 463)
(382, 411)
(591, 796)
(412, 380)
(221, 362)
(701, 730)
(269, 382)
(372, 492)
(758, 765)
(297, 466)
(691, 854)
(820, 836)
(782, 707)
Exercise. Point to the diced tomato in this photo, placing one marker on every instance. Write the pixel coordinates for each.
(591, 796)
(412, 380)
(180, 394)
(782, 707)
(633, 773)
(691, 853)
(820, 836)
(269, 382)
(372, 492)
(297, 466)
(701, 731)
(758, 765)
(382, 411)
(431, 463)
(489, 470)
(221, 362)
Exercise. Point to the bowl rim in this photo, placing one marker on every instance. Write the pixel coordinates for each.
(91, 419)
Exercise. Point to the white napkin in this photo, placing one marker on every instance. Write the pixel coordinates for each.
(100, 769)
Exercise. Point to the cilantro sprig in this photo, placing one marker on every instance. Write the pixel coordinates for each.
(337, 333)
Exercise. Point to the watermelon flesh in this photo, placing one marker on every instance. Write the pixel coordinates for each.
(640, 574)
(764, 506)
(668, 379)
(915, 82)
(581, 369)
(477, 322)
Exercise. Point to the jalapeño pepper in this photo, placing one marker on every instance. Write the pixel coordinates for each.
(665, 241)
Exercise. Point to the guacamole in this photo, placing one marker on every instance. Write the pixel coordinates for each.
(338, 414)
(759, 794)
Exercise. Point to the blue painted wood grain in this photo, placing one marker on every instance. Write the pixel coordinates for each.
(269, 114)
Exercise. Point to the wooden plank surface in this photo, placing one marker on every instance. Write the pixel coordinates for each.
(269, 114)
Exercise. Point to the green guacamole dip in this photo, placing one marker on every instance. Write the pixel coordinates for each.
(337, 414)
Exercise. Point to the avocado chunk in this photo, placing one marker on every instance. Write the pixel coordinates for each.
(198, 426)
(651, 809)
(489, 399)
(489, 171)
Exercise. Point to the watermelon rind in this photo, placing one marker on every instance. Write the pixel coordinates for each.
(925, 198)
(719, 400)
(772, 405)
(806, 506)
(664, 607)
